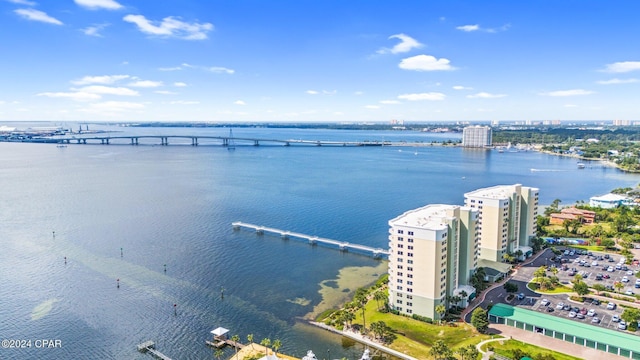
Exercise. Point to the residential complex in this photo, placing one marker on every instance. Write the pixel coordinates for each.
(476, 136)
(432, 256)
(435, 249)
(507, 219)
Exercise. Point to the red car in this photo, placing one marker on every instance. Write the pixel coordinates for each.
(606, 276)
(583, 311)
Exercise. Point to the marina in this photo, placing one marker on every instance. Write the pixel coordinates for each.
(342, 245)
(150, 348)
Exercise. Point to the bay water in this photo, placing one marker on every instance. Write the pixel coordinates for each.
(122, 214)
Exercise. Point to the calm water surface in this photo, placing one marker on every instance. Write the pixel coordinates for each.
(173, 206)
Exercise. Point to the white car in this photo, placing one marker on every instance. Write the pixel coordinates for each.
(610, 269)
(595, 320)
(628, 292)
(622, 325)
(625, 279)
(594, 263)
(591, 312)
(560, 306)
(572, 314)
(630, 272)
(611, 306)
(615, 318)
(545, 302)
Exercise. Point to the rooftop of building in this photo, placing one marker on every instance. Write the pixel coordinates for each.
(566, 326)
(502, 192)
(609, 197)
(427, 217)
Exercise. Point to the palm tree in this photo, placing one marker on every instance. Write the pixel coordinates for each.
(266, 342)
(236, 338)
(440, 351)
(218, 354)
(463, 295)
(277, 344)
(440, 310)
(473, 352)
(250, 340)
(349, 317)
(380, 296)
(361, 300)
(463, 352)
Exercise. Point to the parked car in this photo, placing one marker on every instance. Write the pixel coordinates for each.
(625, 279)
(591, 312)
(520, 296)
(610, 269)
(583, 311)
(572, 314)
(628, 292)
(545, 302)
(606, 276)
(579, 316)
(599, 276)
(575, 309)
(615, 318)
(630, 272)
(595, 320)
(622, 325)
(566, 307)
(611, 260)
(550, 309)
(560, 306)
(596, 301)
(611, 306)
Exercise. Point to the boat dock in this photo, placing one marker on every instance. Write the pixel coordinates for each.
(342, 245)
(149, 347)
(221, 340)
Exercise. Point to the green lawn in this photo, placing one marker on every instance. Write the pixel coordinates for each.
(505, 348)
(559, 289)
(416, 337)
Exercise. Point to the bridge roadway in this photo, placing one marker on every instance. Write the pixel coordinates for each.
(196, 140)
(342, 245)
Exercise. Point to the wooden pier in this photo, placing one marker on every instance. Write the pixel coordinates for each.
(220, 339)
(149, 347)
(342, 245)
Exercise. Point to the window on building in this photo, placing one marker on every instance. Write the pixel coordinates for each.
(400, 253)
(409, 282)
(400, 238)
(409, 304)
(400, 231)
(410, 254)
(409, 268)
(409, 290)
(409, 261)
(399, 302)
(410, 232)
(410, 247)
(399, 295)
(409, 311)
(399, 274)
(410, 240)
(410, 276)
(399, 287)
(409, 297)
(400, 246)
(399, 267)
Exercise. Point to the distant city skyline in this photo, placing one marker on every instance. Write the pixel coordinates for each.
(318, 61)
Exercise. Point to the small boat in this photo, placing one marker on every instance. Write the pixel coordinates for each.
(366, 355)
(580, 165)
(61, 146)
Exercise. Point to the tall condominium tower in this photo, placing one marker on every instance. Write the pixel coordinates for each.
(507, 219)
(433, 253)
(476, 136)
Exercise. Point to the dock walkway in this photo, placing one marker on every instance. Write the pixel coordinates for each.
(149, 347)
(342, 245)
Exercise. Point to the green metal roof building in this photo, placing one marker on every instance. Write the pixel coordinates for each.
(595, 337)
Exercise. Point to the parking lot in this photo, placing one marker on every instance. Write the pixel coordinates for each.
(534, 301)
(597, 269)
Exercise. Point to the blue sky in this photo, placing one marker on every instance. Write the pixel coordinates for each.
(324, 60)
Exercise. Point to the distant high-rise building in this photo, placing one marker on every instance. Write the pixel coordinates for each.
(433, 253)
(621, 122)
(476, 136)
(507, 219)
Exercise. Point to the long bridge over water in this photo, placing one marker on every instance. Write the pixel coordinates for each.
(342, 245)
(196, 140)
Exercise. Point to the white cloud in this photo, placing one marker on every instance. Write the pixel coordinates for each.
(312, 92)
(485, 95)
(407, 43)
(617, 81)
(179, 84)
(94, 30)
(425, 63)
(476, 27)
(37, 15)
(99, 4)
(184, 102)
(469, 28)
(373, 107)
(389, 102)
(239, 102)
(175, 68)
(76, 95)
(23, 2)
(622, 67)
(105, 79)
(431, 96)
(220, 70)
(165, 92)
(171, 27)
(460, 87)
(108, 90)
(574, 92)
(146, 83)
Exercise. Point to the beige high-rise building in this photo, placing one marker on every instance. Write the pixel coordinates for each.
(507, 219)
(433, 253)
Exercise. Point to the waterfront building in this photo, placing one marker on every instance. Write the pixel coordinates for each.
(507, 219)
(433, 253)
(572, 213)
(476, 136)
(608, 201)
